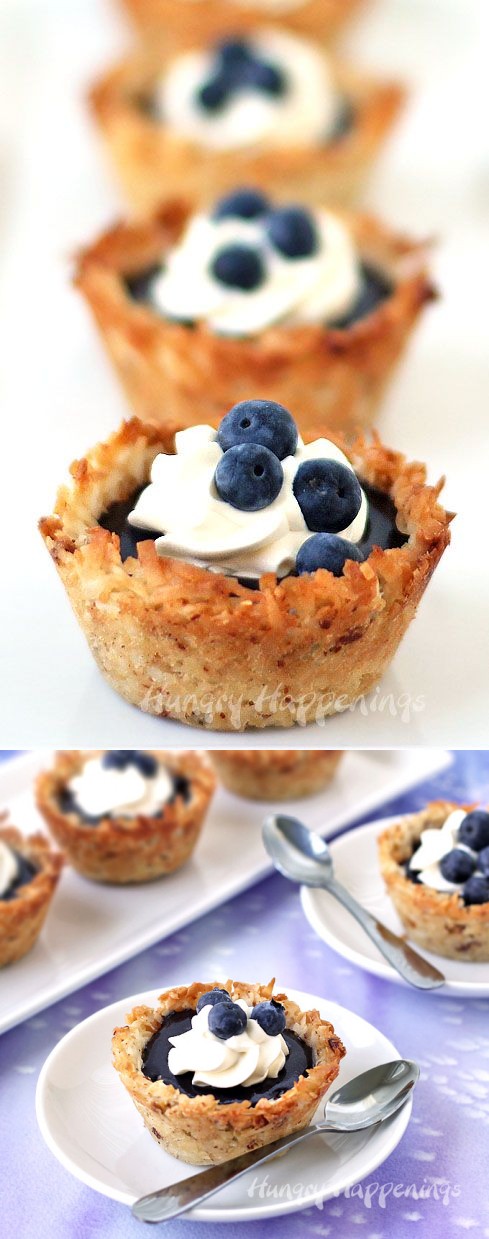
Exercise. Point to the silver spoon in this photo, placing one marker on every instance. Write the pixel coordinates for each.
(303, 856)
(370, 1098)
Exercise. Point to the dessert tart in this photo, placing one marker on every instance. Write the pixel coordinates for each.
(125, 815)
(217, 1071)
(199, 309)
(29, 872)
(271, 109)
(275, 774)
(230, 616)
(436, 868)
(185, 22)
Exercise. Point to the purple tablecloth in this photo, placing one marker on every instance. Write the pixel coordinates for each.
(436, 1182)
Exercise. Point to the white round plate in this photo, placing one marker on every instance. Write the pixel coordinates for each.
(356, 867)
(91, 1125)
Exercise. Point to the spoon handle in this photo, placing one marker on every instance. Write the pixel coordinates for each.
(404, 959)
(170, 1202)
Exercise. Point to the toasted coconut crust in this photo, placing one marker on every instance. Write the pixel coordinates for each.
(182, 25)
(152, 162)
(128, 849)
(199, 1129)
(200, 375)
(22, 918)
(186, 643)
(275, 774)
(437, 921)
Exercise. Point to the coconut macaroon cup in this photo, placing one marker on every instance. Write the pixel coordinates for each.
(438, 920)
(126, 844)
(182, 22)
(154, 157)
(275, 774)
(33, 873)
(185, 642)
(200, 1128)
(333, 376)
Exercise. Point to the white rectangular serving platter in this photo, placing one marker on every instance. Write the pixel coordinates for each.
(90, 929)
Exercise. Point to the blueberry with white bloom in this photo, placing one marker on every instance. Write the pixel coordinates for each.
(457, 865)
(476, 890)
(270, 1016)
(238, 266)
(213, 94)
(259, 421)
(325, 550)
(329, 495)
(213, 996)
(242, 204)
(474, 830)
(249, 477)
(265, 77)
(227, 1020)
(293, 232)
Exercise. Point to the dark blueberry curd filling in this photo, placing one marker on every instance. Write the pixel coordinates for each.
(155, 1065)
(25, 873)
(381, 529)
(375, 288)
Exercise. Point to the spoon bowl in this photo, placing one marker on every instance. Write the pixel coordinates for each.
(297, 852)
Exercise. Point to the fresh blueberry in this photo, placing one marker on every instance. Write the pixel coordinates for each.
(213, 996)
(474, 830)
(117, 759)
(259, 421)
(249, 477)
(483, 861)
(325, 550)
(213, 94)
(227, 1020)
(242, 204)
(476, 890)
(457, 865)
(270, 1016)
(239, 266)
(329, 495)
(233, 54)
(145, 763)
(265, 77)
(293, 232)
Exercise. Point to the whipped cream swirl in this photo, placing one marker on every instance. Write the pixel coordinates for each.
(305, 114)
(196, 525)
(321, 288)
(9, 868)
(98, 791)
(246, 1059)
(434, 844)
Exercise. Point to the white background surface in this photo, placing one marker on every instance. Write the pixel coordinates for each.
(85, 934)
(92, 1127)
(58, 394)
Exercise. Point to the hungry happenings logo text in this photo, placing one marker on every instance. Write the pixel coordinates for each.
(310, 708)
(374, 1194)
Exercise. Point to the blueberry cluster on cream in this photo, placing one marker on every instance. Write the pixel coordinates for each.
(252, 498)
(248, 266)
(230, 1044)
(455, 857)
(122, 783)
(15, 871)
(272, 89)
